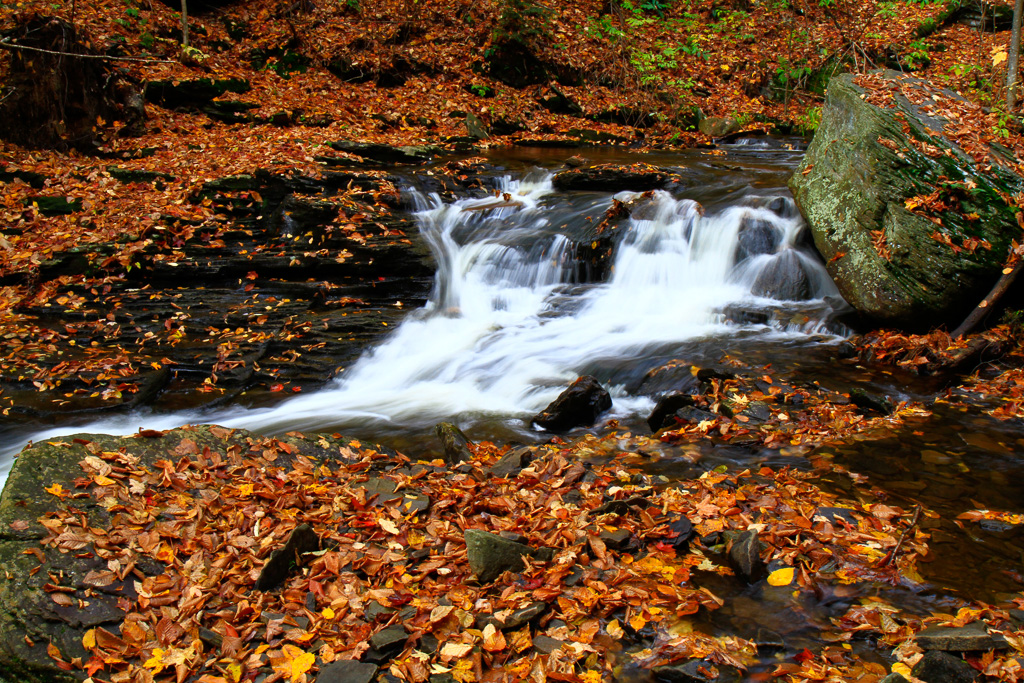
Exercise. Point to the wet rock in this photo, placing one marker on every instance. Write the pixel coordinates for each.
(755, 237)
(281, 563)
(517, 619)
(783, 278)
(666, 408)
(718, 126)
(230, 111)
(768, 640)
(347, 671)
(454, 442)
(683, 530)
(745, 555)
(612, 178)
(970, 638)
(511, 463)
(578, 406)
(695, 671)
(757, 411)
(408, 154)
(866, 400)
(374, 610)
(131, 175)
(491, 555)
(834, 515)
(940, 667)
(557, 102)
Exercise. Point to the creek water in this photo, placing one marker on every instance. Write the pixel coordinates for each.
(719, 264)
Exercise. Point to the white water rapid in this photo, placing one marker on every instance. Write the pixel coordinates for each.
(506, 329)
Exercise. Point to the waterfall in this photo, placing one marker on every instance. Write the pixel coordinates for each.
(507, 327)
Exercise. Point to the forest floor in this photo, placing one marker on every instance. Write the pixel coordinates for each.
(89, 224)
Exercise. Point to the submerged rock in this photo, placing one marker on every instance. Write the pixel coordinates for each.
(745, 555)
(942, 667)
(612, 178)
(973, 637)
(863, 170)
(578, 406)
(783, 278)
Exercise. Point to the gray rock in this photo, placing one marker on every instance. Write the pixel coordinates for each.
(475, 127)
(851, 188)
(491, 555)
(894, 678)
(783, 278)
(546, 644)
(617, 540)
(454, 442)
(718, 126)
(970, 638)
(517, 619)
(942, 667)
(866, 400)
(834, 514)
(695, 671)
(347, 671)
(388, 638)
(511, 463)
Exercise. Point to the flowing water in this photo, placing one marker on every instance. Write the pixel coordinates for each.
(509, 323)
(720, 264)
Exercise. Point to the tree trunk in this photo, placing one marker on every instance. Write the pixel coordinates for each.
(184, 22)
(1014, 56)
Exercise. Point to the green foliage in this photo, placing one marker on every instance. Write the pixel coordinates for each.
(809, 121)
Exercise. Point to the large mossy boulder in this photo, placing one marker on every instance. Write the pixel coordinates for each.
(908, 210)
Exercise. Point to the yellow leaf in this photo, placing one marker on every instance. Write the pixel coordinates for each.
(637, 622)
(103, 481)
(781, 577)
(901, 669)
(156, 662)
(591, 676)
(455, 650)
(998, 57)
(235, 671)
(463, 671)
(89, 639)
(294, 662)
(327, 613)
(57, 490)
(615, 630)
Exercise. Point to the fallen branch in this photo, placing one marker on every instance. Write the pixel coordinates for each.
(982, 309)
(15, 46)
(891, 557)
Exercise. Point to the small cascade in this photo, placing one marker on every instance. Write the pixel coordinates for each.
(506, 327)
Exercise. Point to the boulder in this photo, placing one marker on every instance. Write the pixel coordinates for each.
(578, 406)
(718, 126)
(388, 154)
(455, 443)
(490, 555)
(900, 212)
(755, 237)
(973, 637)
(941, 667)
(783, 278)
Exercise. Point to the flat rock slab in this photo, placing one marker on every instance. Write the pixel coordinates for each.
(970, 638)
(347, 671)
(491, 555)
(281, 563)
(515, 620)
(942, 667)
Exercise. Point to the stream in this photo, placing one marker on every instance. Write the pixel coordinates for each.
(719, 266)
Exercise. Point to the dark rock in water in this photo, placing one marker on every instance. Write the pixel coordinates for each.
(517, 619)
(755, 237)
(347, 671)
(693, 414)
(612, 178)
(455, 443)
(491, 555)
(973, 637)
(281, 563)
(745, 555)
(784, 207)
(757, 411)
(510, 463)
(920, 282)
(894, 678)
(662, 415)
(695, 671)
(578, 406)
(941, 667)
(718, 126)
(683, 530)
(835, 515)
(784, 278)
(387, 153)
(866, 400)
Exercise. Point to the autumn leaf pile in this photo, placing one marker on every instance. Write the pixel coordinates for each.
(210, 517)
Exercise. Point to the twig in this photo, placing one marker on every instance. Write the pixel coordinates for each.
(982, 309)
(888, 559)
(14, 46)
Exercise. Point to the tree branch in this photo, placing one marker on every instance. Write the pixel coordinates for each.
(14, 46)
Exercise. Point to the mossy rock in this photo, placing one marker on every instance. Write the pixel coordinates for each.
(894, 266)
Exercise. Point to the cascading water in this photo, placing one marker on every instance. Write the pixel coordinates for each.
(507, 328)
